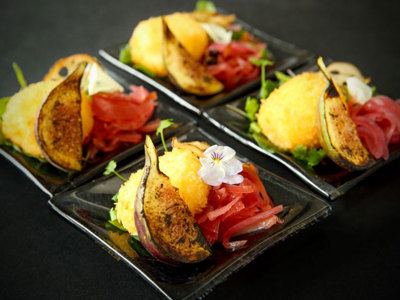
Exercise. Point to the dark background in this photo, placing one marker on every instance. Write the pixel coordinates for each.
(352, 254)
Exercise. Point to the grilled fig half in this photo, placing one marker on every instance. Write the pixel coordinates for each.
(337, 131)
(183, 70)
(164, 223)
(58, 126)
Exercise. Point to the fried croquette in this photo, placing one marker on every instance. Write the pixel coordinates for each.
(288, 116)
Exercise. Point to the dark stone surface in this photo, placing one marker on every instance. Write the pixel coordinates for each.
(352, 254)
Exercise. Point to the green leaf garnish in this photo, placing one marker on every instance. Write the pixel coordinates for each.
(4, 100)
(136, 245)
(2, 137)
(264, 143)
(20, 75)
(282, 77)
(261, 62)
(115, 197)
(237, 35)
(144, 70)
(110, 168)
(113, 214)
(266, 88)
(3, 104)
(374, 92)
(160, 130)
(254, 127)
(264, 53)
(266, 85)
(205, 6)
(251, 107)
(125, 55)
(311, 157)
(18, 149)
(117, 225)
(114, 221)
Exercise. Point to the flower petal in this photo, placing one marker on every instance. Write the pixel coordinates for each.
(206, 161)
(228, 153)
(212, 174)
(232, 166)
(210, 150)
(220, 165)
(235, 179)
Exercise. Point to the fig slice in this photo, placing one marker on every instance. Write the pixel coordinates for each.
(183, 70)
(337, 131)
(165, 226)
(58, 126)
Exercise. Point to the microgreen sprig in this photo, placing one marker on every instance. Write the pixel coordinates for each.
(311, 157)
(160, 130)
(3, 104)
(125, 55)
(263, 62)
(20, 75)
(114, 220)
(251, 107)
(282, 77)
(22, 83)
(111, 169)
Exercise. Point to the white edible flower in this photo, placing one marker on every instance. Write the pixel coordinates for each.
(217, 33)
(359, 90)
(220, 166)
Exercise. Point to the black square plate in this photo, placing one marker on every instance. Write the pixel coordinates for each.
(331, 181)
(88, 208)
(285, 56)
(52, 180)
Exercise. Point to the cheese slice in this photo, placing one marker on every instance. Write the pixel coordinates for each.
(99, 81)
(217, 33)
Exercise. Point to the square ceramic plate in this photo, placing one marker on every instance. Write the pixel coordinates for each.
(88, 208)
(330, 180)
(285, 56)
(51, 180)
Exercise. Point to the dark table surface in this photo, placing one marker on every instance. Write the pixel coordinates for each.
(354, 253)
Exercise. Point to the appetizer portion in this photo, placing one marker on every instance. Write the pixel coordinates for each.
(165, 226)
(76, 114)
(202, 52)
(190, 198)
(331, 114)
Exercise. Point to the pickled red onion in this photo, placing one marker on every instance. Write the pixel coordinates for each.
(378, 124)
